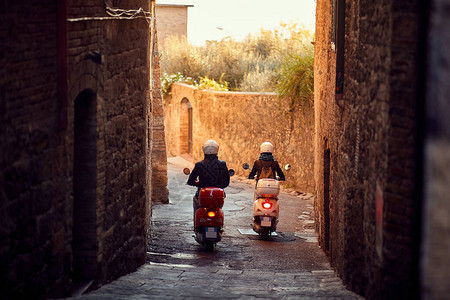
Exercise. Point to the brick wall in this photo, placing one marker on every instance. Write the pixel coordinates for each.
(403, 185)
(324, 109)
(77, 128)
(172, 21)
(435, 261)
(121, 83)
(240, 122)
(35, 183)
(371, 136)
(160, 193)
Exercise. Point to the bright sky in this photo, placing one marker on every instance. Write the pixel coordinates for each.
(238, 18)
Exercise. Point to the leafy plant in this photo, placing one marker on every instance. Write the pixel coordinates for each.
(210, 84)
(167, 81)
(259, 81)
(259, 63)
(296, 78)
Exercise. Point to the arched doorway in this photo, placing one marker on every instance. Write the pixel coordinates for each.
(84, 243)
(186, 130)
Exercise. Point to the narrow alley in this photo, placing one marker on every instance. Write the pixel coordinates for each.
(88, 119)
(290, 265)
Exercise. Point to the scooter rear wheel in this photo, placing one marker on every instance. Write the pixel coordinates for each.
(265, 233)
(209, 246)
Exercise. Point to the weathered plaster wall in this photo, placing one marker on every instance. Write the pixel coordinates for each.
(240, 122)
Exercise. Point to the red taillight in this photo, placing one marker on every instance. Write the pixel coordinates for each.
(211, 214)
(267, 205)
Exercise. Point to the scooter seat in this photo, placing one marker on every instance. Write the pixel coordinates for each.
(267, 196)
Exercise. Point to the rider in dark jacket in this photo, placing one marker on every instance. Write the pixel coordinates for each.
(211, 172)
(267, 160)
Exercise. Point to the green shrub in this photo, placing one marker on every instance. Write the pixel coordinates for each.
(259, 81)
(272, 60)
(167, 81)
(295, 77)
(209, 84)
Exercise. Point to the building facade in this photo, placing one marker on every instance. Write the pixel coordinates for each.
(377, 97)
(172, 21)
(79, 113)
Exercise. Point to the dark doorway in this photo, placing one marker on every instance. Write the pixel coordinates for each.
(186, 130)
(326, 196)
(84, 243)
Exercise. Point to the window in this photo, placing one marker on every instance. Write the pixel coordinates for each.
(337, 39)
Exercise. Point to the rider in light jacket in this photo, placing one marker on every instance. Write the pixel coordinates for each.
(266, 160)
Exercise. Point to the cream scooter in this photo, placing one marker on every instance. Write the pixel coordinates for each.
(265, 205)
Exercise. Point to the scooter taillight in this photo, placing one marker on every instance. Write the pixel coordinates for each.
(211, 214)
(267, 205)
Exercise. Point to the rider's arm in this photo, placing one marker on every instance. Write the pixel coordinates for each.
(193, 176)
(279, 172)
(254, 170)
(226, 175)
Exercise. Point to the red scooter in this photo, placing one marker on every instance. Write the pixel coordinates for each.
(208, 218)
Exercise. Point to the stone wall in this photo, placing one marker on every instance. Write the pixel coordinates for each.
(160, 192)
(367, 212)
(240, 122)
(120, 82)
(35, 177)
(77, 125)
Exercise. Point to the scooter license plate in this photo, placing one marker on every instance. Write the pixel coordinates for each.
(266, 221)
(211, 232)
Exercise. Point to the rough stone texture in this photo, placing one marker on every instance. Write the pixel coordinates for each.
(435, 261)
(240, 122)
(35, 182)
(172, 21)
(48, 64)
(121, 85)
(160, 192)
(373, 143)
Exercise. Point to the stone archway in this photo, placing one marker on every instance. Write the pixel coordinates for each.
(186, 127)
(84, 243)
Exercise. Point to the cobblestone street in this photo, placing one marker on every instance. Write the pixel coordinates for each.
(288, 266)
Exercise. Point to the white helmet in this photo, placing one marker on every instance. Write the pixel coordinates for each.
(210, 147)
(266, 147)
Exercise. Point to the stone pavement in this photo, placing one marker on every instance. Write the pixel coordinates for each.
(242, 266)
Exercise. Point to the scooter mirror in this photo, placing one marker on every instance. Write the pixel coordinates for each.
(245, 166)
(186, 171)
(287, 167)
(231, 172)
